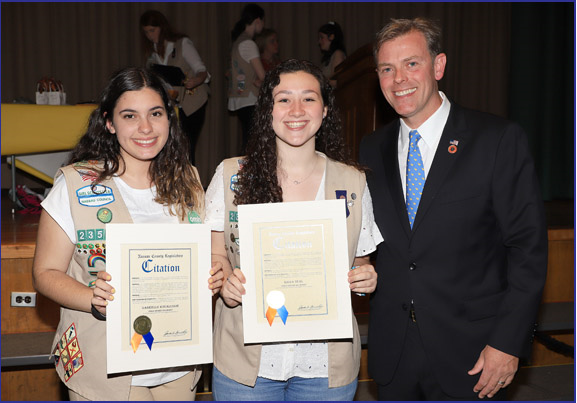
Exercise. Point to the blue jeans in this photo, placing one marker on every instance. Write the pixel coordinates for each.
(294, 389)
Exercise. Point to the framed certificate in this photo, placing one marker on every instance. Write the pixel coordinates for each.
(161, 315)
(295, 260)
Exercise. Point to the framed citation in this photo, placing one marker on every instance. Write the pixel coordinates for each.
(295, 260)
(161, 315)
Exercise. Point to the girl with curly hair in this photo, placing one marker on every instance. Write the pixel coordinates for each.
(131, 166)
(295, 153)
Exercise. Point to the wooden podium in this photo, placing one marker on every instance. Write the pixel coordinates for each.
(360, 100)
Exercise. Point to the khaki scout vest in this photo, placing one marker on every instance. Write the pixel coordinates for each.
(243, 75)
(189, 100)
(79, 346)
(241, 362)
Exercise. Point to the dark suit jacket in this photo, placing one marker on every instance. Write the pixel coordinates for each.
(475, 261)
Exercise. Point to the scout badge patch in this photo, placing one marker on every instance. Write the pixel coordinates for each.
(342, 194)
(68, 352)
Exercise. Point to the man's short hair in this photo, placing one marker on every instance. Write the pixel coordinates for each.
(399, 27)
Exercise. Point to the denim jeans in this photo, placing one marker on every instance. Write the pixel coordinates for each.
(294, 389)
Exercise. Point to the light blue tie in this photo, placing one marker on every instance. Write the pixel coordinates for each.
(415, 175)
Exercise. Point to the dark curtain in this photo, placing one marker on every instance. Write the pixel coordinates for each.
(511, 59)
(542, 90)
(82, 43)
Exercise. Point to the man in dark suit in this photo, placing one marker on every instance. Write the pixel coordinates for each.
(461, 271)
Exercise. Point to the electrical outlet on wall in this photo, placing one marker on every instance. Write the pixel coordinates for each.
(23, 299)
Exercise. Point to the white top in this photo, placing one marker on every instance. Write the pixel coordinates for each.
(430, 131)
(143, 209)
(189, 53)
(281, 361)
(248, 50)
(329, 69)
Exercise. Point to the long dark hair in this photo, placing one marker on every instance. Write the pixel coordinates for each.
(257, 180)
(176, 183)
(250, 12)
(338, 42)
(155, 18)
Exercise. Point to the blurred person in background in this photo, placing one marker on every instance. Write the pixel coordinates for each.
(164, 46)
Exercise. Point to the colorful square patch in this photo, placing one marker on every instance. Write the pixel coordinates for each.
(68, 372)
(70, 333)
(77, 363)
(56, 354)
(73, 348)
(68, 351)
(65, 357)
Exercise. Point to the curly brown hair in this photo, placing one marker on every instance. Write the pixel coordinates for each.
(177, 185)
(257, 180)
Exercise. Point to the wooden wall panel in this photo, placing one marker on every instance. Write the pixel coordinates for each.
(17, 276)
(541, 355)
(560, 285)
(32, 384)
(359, 98)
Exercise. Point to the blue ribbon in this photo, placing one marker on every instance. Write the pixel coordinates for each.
(148, 338)
(283, 313)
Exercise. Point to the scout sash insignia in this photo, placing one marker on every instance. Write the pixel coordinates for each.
(342, 194)
(142, 326)
(68, 352)
(77, 363)
(234, 182)
(56, 354)
(104, 215)
(95, 196)
(65, 357)
(87, 174)
(276, 300)
(92, 259)
(194, 218)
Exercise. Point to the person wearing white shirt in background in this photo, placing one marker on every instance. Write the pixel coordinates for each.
(246, 71)
(164, 46)
(332, 46)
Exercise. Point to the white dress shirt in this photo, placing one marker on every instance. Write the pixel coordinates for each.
(430, 131)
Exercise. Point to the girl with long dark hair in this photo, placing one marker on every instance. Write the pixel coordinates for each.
(131, 166)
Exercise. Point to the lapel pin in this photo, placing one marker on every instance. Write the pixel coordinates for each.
(351, 203)
(453, 146)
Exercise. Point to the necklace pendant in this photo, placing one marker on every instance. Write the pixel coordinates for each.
(296, 182)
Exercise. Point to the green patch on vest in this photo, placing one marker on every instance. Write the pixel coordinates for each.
(233, 216)
(87, 235)
(194, 218)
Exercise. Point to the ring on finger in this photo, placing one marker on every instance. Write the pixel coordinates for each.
(501, 383)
